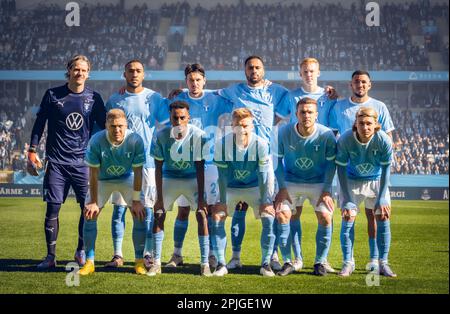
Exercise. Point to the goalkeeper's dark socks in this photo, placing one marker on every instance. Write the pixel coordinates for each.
(51, 226)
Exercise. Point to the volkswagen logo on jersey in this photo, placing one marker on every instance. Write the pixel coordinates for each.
(74, 121)
(181, 165)
(304, 163)
(365, 169)
(241, 174)
(115, 171)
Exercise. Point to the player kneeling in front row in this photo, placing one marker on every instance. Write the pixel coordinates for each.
(115, 157)
(364, 155)
(242, 160)
(179, 162)
(308, 150)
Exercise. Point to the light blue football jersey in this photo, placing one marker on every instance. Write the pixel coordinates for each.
(205, 113)
(115, 161)
(364, 161)
(260, 101)
(342, 115)
(305, 158)
(288, 105)
(179, 156)
(243, 165)
(143, 110)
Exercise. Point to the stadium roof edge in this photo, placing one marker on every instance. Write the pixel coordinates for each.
(397, 76)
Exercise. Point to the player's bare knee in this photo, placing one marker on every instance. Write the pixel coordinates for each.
(379, 218)
(158, 224)
(324, 219)
(183, 212)
(283, 217)
(349, 219)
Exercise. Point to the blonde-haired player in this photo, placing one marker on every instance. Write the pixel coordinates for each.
(242, 159)
(363, 160)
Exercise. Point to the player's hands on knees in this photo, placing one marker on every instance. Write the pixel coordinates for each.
(331, 92)
(174, 93)
(159, 205)
(327, 200)
(91, 211)
(267, 208)
(33, 163)
(385, 212)
(282, 195)
(220, 209)
(137, 210)
(202, 206)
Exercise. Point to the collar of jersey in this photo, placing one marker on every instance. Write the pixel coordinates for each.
(114, 145)
(318, 91)
(192, 98)
(357, 103)
(133, 94)
(362, 144)
(305, 137)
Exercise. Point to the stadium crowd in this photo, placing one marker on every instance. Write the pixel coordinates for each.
(115, 36)
(282, 35)
(336, 35)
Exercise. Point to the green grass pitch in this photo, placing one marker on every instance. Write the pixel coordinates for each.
(419, 255)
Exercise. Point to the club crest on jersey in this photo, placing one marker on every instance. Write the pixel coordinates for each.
(304, 163)
(74, 121)
(241, 174)
(321, 102)
(206, 107)
(115, 171)
(87, 105)
(365, 169)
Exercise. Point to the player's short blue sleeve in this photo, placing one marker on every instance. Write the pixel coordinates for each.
(331, 146)
(93, 153)
(281, 141)
(283, 108)
(342, 155)
(263, 155)
(139, 151)
(156, 148)
(387, 150)
(385, 120)
(160, 108)
(332, 119)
